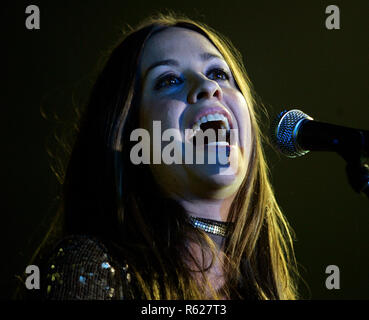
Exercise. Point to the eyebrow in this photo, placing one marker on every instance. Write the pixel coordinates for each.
(171, 62)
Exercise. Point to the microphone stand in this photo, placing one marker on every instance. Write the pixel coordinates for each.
(358, 176)
(357, 168)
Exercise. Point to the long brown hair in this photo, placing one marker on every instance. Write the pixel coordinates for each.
(105, 195)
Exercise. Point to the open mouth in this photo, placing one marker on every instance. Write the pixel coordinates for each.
(219, 134)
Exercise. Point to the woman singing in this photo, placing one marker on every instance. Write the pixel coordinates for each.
(154, 230)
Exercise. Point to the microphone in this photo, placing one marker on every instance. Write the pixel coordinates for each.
(295, 133)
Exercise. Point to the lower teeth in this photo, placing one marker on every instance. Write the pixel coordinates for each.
(218, 143)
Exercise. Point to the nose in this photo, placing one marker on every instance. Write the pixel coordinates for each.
(204, 88)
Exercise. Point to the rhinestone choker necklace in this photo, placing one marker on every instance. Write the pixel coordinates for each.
(211, 226)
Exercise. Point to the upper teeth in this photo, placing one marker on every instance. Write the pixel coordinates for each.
(212, 117)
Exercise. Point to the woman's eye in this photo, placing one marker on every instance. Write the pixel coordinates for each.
(218, 74)
(171, 80)
(167, 81)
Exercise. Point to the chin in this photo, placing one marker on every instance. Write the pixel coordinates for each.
(221, 180)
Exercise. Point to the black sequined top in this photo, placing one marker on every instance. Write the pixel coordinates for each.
(80, 268)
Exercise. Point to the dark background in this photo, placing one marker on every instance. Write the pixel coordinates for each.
(293, 61)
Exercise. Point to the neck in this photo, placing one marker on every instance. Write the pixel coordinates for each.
(216, 209)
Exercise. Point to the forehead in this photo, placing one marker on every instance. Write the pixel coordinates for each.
(175, 43)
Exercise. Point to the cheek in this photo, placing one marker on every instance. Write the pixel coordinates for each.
(167, 111)
(238, 105)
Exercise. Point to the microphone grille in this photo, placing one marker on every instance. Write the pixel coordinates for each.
(282, 132)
